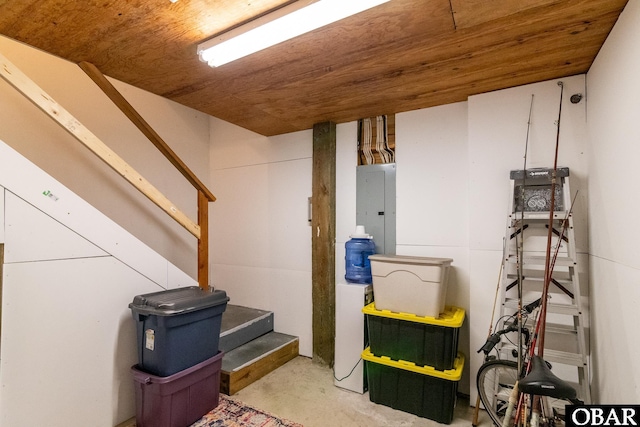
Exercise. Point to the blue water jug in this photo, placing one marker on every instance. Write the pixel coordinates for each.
(358, 249)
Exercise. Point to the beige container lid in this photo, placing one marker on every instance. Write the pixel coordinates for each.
(406, 259)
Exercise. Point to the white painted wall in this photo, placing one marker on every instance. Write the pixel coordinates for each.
(453, 166)
(68, 339)
(613, 135)
(432, 198)
(497, 130)
(36, 136)
(260, 236)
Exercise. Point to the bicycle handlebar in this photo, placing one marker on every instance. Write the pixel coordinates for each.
(490, 343)
(494, 338)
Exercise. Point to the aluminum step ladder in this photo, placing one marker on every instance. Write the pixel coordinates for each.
(565, 339)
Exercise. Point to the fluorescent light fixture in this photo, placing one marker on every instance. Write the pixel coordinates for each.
(282, 24)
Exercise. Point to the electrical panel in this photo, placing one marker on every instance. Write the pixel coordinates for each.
(376, 204)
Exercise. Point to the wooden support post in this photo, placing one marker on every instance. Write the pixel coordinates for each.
(323, 241)
(203, 241)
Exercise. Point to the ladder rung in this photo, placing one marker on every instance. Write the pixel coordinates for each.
(540, 260)
(566, 358)
(563, 331)
(566, 309)
(557, 287)
(533, 277)
(559, 328)
(563, 339)
(553, 356)
(540, 216)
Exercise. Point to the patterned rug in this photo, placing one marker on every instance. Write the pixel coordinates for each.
(231, 413)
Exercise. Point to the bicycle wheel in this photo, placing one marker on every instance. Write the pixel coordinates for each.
(495, 381)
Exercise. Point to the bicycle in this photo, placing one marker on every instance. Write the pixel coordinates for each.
(537, 386)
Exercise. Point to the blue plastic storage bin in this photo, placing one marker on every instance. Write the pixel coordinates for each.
(178, 328)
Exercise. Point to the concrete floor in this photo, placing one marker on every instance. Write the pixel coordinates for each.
(303, 391)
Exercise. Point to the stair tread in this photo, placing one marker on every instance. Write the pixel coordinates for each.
(237, 316)
(243, 324)
(254, 350)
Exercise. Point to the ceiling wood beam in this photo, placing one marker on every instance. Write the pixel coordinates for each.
(400, 56)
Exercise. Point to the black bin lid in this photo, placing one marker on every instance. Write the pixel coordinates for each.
(177, 301)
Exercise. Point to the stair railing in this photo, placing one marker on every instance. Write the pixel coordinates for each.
(16, 78)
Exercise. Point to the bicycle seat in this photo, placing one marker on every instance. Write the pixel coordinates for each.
(542, 382)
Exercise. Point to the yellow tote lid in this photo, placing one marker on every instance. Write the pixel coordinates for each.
(451, 374)
(452, 317)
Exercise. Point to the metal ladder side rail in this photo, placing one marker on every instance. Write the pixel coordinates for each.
(578, 319)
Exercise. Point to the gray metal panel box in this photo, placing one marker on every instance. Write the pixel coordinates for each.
(376, 204)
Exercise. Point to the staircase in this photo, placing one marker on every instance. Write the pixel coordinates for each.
(252, 348)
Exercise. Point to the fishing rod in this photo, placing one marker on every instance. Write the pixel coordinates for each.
(520, 242)
(534, 339)
(547, 275)
(547, 265)
(515, 401)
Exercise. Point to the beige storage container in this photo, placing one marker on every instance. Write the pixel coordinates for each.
(409, 284)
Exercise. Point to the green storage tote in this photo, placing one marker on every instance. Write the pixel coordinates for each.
(419, 390)
(425, 341)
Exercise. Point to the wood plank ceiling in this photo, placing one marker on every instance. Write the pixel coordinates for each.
(400, 56)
